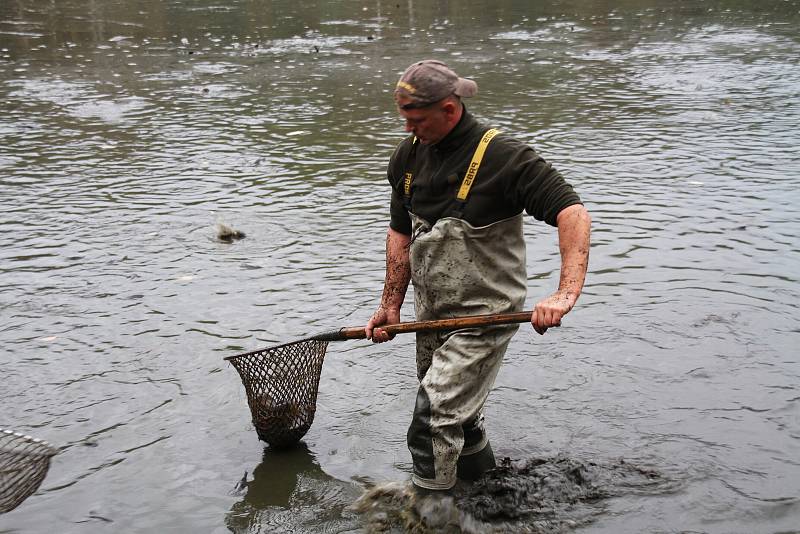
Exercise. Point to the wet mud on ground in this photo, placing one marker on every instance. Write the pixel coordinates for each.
(541, 495)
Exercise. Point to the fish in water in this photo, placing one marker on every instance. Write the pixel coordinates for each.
(227, 233)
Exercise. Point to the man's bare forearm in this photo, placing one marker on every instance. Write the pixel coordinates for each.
(398, 275)
(398, 270)
(573, 241)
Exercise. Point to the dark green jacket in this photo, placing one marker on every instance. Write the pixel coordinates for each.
(512, 178)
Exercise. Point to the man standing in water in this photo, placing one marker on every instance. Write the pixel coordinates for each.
(458, 193)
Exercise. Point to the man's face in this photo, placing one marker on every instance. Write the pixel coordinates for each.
(429, 124)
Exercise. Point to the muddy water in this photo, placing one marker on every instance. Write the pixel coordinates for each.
(132, 130)
(538, 495)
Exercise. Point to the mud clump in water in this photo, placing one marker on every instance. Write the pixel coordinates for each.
(551, 494)
(543, 495)
(537, 489)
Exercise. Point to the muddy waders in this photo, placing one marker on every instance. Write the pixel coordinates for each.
(458, 269)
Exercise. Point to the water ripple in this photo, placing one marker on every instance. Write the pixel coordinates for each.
(127, 137)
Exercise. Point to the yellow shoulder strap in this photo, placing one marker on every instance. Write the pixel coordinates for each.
(408, 177)
(475, 164)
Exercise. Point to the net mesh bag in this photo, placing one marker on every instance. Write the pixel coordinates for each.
(24, 462)
(281, 383)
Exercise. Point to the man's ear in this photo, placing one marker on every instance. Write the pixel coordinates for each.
(449, 107)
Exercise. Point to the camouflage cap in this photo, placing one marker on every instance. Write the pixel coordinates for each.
(429, 81)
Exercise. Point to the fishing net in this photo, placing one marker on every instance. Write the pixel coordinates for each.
(281, 383)
(24, 462)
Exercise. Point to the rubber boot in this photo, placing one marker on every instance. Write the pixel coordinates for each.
(471, 467)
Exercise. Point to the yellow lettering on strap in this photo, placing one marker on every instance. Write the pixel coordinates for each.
(475, 164)
(408, 178)
(407, 184)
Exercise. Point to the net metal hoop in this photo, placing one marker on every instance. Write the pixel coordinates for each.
(24, 462)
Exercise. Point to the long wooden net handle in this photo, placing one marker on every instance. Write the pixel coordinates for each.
(455, 323)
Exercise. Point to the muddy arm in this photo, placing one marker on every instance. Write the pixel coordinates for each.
(398, 275)
(574, 226)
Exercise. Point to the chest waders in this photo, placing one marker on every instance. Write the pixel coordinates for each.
(458, 269)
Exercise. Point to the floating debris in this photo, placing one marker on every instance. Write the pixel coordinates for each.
(227, 233)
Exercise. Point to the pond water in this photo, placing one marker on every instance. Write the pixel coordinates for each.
(130, 129)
